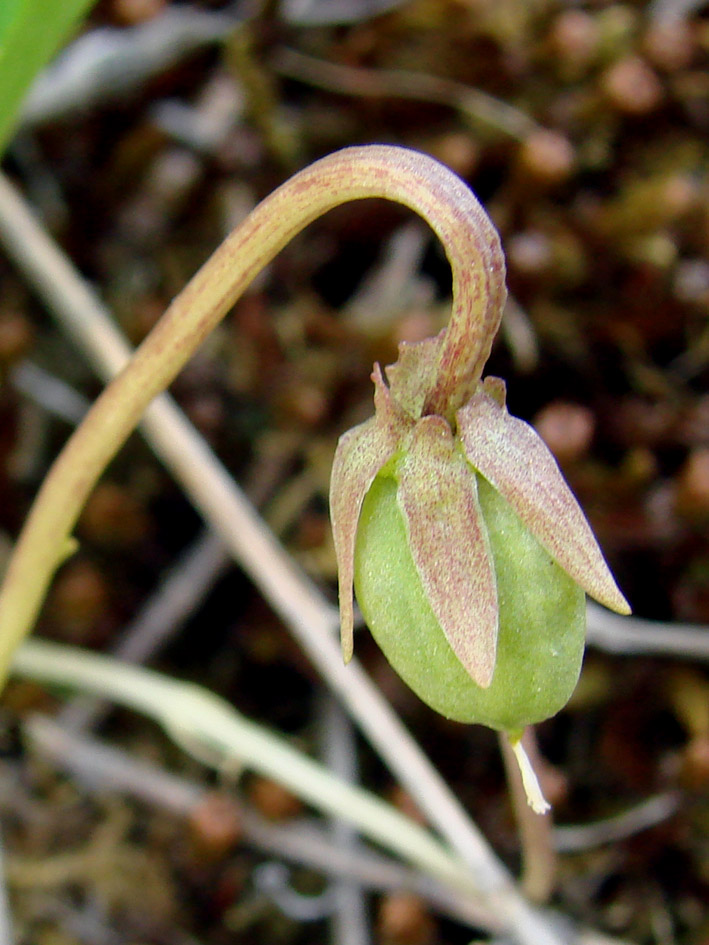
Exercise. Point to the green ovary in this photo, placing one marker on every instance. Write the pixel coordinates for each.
(542, 618)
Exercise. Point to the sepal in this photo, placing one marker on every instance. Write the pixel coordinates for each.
(512, 456)
(437, 494)
(360, 454)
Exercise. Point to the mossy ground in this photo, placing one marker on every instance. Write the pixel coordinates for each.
(605, 223)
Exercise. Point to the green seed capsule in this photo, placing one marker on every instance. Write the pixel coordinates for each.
(542, 617)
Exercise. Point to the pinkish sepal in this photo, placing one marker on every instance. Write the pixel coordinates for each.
(360, 454)
(515, 460)
(437, 494)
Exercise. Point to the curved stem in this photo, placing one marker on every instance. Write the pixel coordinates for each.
(393, 173)
(300, 604)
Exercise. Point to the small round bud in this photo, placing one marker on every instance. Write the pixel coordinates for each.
(403, 920)
(113, 518)
(542, 620)
(215, 824)
(78, 599)
(692, 494)
(273, 800)
(677, 194)
(669, 45)
(567, 429)
(530, 253)
(132, 12)
(414, 325)
(631, 86)
(575, 39)
(302, 402)
(16, 337)
(694, 771)
(691, 282)
(457, 150)
(547, 156)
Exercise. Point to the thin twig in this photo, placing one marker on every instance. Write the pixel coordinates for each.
(539, 864)
(349, 917)
(311, 619)
(49, 392)
(649, 813)
(99, 766)
(629, 635)
(6, 934)
(197, 719)
(474, 105)
(333, 12)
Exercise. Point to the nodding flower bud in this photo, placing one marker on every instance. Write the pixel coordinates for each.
(467, 550)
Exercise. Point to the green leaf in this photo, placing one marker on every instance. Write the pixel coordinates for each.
(31, 31)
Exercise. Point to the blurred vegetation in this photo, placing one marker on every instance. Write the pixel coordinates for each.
(31, 31)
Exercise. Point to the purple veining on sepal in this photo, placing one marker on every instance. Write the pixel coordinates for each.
(360, 454)
(437, 494)
(515, 460)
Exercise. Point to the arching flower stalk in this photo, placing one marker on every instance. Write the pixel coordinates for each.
(468, 551)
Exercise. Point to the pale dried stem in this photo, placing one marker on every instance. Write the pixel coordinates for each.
(535, 830)
(100, 767)
(477, 107)
(216, 733)
(628, 635)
